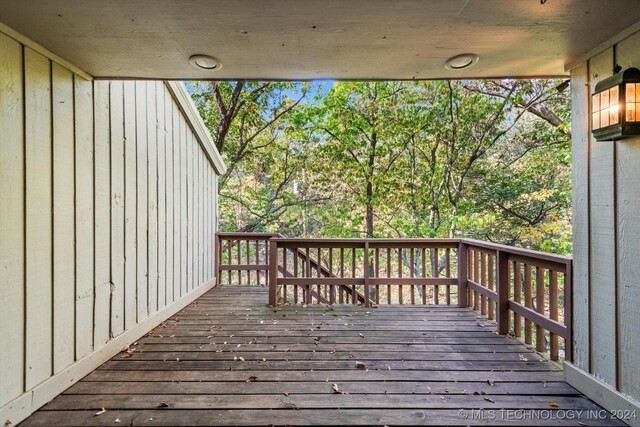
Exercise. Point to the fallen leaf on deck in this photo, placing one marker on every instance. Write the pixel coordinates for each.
(361, 336)
(163, 405)
(488, 399)
(117, 420)
(490, 382)
(552, 404)
(336, 390)
(360, 365)
(100, 412)
(241, 359)
(252, 378)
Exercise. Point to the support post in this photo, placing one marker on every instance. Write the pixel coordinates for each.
(502, 289)
(273, 272)
(462, 275)
(568, 312)
(218, 260)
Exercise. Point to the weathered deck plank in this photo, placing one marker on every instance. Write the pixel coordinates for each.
(228, 359)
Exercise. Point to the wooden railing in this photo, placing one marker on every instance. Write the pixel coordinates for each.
(369, 271)
(527, 293)
(243, 258)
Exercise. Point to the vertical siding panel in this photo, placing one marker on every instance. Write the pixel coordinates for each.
(200, 212)
(162, 222)
(130, 211)
(152, 196)
(117, 207)
(102, 209)
(602, 254)
(177, 224)
(141, 201)
(169, 190)
(628, 208)
(213, 204)
(39, 227)
(63, 220)
(580, 175)
(183, 207)
(190, 208)
(84, 215)
(12, 328)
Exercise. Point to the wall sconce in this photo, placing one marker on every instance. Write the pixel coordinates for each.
(615, 106)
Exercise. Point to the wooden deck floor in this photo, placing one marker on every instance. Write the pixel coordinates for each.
(228, 359)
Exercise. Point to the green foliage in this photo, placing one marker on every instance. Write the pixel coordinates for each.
(484, 159)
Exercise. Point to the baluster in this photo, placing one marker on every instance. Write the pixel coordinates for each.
(412, 275)
(540, 345)
(424, 275)
(239, 249)
(341, 274)
(476, 278)
(447, 272)
(517, 291)
(354, 296)
(435, 270)
(296, 256)
(230, 261)
(332, 288)
(284, 273)
(400, 275)
(528, 302)
(377, 273)
(491, 284)
(388, 275)
(319, 273)
(553, 311)
(483, 283)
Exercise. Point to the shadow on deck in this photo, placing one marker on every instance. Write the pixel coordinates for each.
(228, 359)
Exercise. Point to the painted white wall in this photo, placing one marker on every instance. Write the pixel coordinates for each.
(606, 205)
(107, 218)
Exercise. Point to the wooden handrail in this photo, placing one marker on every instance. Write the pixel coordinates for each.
(527, 293)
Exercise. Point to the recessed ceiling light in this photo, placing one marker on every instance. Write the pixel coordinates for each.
(205, 62)
(459, 62)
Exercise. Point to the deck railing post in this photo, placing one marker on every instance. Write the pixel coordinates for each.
(462, 275)
(502, 289)
(273, 272)
(568, 312)
(217, 259)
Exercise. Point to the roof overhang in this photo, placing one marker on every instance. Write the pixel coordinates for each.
(312, 39)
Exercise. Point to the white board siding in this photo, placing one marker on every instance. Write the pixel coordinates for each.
(606, 247)
(628, 248)
(130, 211)
(12, 219)
(39, 213)
(580, 200)
(63, 218)
(84, 191)
(102, 214)
(64, 163)
(602, 251)
(162, 207)
(141, 203)
(116, 127)
(152, 197)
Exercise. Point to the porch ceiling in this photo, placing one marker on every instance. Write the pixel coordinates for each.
(341, 39)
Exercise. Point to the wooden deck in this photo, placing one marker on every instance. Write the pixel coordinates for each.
(228, 359)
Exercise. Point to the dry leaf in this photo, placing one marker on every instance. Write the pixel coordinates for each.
(241, 359)
(490, 382)
(361, 336)
(286, 394)
(360, 365)
(117, 420)
(252, 378)
(488, 399)
(552, 404)
(335, 389)
(100, 412)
